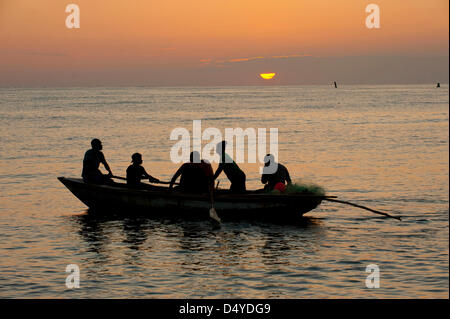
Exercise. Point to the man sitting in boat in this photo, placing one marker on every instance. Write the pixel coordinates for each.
(271, 180)
(91, 163)
(232, 171)
(196, 176)
(136, 172)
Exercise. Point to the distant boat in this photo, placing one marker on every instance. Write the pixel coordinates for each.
(156, 200)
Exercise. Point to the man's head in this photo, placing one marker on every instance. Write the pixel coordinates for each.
(136, 158)
(270, 166)
(194, 157)
(269, 158)
(96, 144)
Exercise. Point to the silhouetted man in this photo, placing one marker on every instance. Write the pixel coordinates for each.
(136, 172)
(281, 175)
(232, 171)
(91, 163)
(196, 176)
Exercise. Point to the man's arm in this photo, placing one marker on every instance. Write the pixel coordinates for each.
(105, 164)
(219, 170)
(288, 177)
(264, 178)
(151, 179)
(174, 178)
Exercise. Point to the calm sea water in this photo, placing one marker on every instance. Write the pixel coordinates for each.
(386, 147)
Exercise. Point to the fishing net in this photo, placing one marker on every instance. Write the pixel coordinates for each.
(302, 187)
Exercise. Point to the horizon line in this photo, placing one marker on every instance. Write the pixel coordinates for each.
(220, 85)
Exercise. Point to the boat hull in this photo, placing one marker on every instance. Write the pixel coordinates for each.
(159, 201)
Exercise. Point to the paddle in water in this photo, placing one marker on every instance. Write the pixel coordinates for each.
(212, 210)
(213, 215)
(302, 188)
(363, 207)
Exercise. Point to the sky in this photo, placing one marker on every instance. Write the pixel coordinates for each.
(222, 42)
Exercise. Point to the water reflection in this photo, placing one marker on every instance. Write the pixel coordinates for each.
(91, 230)
(136, 232)
(196, 244)
(299, 240)
(98, 229)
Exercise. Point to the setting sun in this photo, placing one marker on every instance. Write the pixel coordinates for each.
(267, 76)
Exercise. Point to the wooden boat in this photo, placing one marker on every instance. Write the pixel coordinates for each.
(157, 200)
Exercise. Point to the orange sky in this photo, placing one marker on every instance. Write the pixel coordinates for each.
(155, 40)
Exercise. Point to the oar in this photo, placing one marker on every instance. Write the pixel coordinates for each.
(212, 210)
(160, 182)
(363, 207)
(166, 183)
(213, 214)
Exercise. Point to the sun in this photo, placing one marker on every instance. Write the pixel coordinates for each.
(267, 76)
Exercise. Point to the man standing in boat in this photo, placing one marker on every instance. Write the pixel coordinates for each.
(280, 176)
(91, 163)
(232, 171)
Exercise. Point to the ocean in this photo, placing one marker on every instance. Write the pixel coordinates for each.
(383, 146)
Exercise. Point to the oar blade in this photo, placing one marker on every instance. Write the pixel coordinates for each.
(213, 215)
